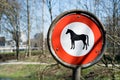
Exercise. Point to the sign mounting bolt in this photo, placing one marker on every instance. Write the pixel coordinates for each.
(56, 49)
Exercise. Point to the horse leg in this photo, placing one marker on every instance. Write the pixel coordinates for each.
(83, 46)
(86, 46)
(73, 44)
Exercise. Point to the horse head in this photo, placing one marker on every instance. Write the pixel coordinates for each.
(68, 31)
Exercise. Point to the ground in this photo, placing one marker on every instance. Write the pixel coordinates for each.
(49, 69)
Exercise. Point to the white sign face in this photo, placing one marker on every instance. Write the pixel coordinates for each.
(77, 39)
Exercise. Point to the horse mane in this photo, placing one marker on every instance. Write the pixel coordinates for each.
(71, 30)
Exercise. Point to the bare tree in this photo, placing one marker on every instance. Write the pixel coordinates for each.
(49, 5)
(112, 26)
(11, 10)
(43, 37)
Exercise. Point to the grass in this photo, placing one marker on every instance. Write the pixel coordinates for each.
(33, 72)
(101, 73)
(53, 72)
(18, 72)
(12, 70)
(12, 55)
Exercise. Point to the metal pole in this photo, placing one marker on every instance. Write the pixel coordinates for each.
(76, 73)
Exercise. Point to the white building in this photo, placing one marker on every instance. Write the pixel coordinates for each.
(8, 45)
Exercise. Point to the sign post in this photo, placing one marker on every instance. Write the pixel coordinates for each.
(76, 73)
(76, 39)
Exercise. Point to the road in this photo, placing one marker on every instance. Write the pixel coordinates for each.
(14, 62)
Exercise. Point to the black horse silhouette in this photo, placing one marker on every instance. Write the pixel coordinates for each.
(74, 37)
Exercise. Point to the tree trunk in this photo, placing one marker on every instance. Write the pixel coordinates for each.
(43, 39)
(28, 22)
(17, 46)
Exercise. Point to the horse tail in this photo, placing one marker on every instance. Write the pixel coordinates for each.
(87, 40)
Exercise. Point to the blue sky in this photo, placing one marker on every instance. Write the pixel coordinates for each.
(59, 6)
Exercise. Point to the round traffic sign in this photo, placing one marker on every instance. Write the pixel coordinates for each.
(76, 38)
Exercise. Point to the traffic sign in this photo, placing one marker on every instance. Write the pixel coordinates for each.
(76, 38)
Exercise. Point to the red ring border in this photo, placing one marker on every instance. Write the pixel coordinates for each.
(64, 56)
